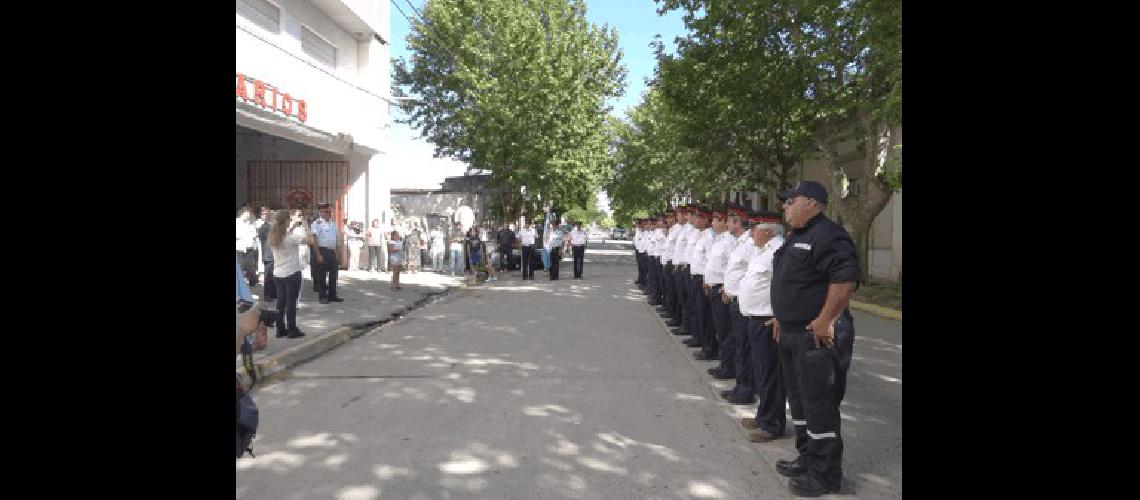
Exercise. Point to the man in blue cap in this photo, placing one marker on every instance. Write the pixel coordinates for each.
(814, 274)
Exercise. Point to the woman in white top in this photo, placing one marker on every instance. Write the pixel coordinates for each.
(285, 237)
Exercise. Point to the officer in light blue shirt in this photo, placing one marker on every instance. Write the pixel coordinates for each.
(324, 230)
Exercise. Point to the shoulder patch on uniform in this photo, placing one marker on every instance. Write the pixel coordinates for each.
(805, 246)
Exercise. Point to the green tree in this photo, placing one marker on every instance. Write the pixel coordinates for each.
(518, 88)
(759, 86)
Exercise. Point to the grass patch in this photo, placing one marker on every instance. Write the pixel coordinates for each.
(881, 294)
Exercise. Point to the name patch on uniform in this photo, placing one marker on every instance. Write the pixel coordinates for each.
(805, 246)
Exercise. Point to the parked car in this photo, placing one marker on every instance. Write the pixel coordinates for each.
(618, 233)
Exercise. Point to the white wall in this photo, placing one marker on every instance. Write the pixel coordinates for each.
(347, 101)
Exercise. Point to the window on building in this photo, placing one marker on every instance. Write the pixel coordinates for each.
(318, 48)
(262, 12)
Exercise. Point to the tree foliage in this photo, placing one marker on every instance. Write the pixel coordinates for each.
(757, 87)
(517, 87)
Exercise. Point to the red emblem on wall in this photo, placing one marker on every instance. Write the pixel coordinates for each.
(299, 196)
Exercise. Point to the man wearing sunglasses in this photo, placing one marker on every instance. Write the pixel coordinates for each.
(814, 274)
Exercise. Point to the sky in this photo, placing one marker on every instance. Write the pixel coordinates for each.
(636, 21)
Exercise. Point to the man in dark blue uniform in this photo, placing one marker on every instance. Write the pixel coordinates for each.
(815, 272)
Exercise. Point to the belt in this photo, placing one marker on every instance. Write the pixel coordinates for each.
(794, 326)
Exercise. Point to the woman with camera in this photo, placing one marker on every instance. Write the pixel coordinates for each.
(286, 234)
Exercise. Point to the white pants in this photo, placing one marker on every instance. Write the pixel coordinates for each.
(354, 255)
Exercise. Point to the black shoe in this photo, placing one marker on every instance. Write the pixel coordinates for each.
(269, 299)
(748, 400)
(703, 356)
(335, 299)
(324, 301)
(805, 485)
(790, 468)
(721, 374)
(725, 393)
(296, 334)
(282, 333)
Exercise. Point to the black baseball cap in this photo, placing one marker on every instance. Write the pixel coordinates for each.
(810, 189)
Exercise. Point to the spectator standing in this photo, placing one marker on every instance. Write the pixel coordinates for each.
(456, 249)
(396, 257)
(411, 249)
(375, 237)
(355, 237)
(270, 289)
(247, 245)
(438, 245)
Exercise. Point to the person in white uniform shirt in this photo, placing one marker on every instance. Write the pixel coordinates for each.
(672, 304)
(578, 247)
(716, 263)
(737, 264)
(324, 228)
(657, 295)
(701, 239)
(683, 279)
(756, 305)
(526, 237)
(637, 254)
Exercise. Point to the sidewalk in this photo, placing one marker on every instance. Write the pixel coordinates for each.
(367, 303)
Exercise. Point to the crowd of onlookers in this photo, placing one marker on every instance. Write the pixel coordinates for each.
(371, 247)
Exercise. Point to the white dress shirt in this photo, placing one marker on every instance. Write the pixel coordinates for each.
(717, 260)
(526, 236)
(577, 237)
(287, 259)
(670, 239)
(656, 241)
(681, 245)
(246, 235)
(700, 249)
(738, 263)
(756, 286)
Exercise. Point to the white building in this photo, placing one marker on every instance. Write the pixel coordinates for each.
(312, 105)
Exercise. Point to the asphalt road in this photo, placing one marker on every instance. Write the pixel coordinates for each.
(541, 389)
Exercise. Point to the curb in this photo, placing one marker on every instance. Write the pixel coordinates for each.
(880, 311)
(279, 366)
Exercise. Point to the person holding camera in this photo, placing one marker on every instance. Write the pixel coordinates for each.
(285, 235)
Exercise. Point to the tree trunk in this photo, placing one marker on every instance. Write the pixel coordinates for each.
(867, 194)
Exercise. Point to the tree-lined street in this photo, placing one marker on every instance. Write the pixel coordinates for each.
(541, 389)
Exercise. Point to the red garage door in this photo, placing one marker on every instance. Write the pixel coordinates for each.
(285, 184)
